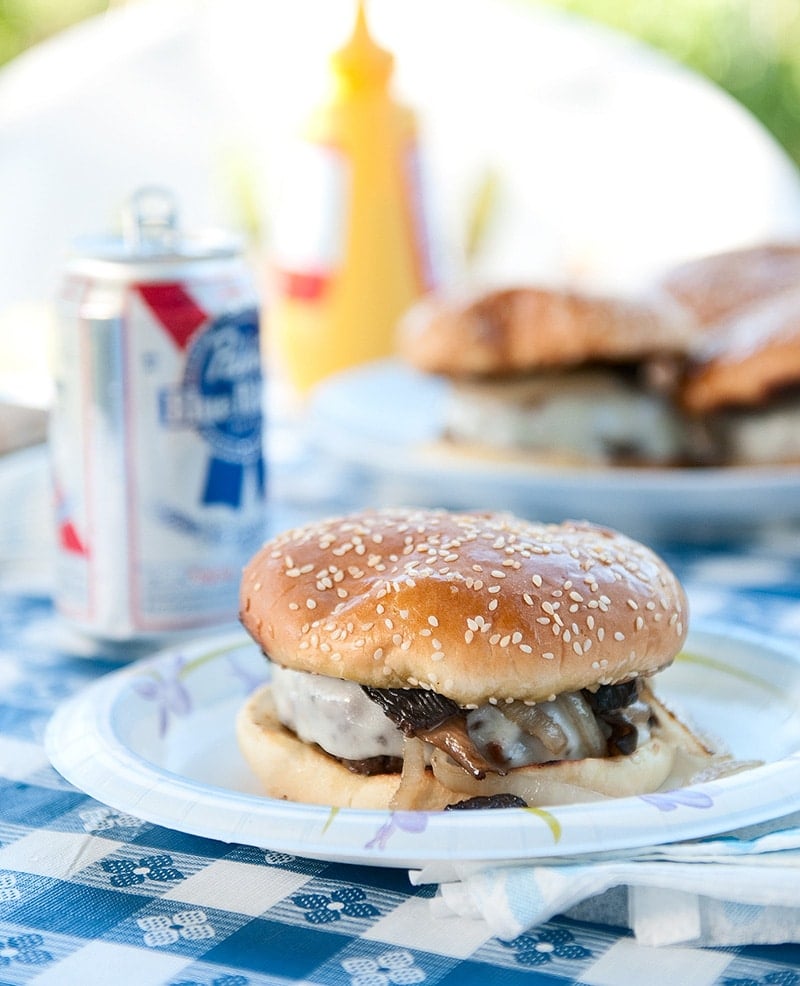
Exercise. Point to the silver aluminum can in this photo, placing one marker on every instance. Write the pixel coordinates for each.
(156, 429)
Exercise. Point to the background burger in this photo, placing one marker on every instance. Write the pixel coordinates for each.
(555, 375)
(423, 659)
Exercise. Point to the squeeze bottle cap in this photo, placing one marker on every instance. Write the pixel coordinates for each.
(361, 63)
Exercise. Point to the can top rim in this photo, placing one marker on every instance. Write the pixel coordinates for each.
(208, 245)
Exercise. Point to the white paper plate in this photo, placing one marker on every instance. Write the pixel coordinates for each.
(386, 420)
(156, 740)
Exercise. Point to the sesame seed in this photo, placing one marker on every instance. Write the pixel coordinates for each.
(311, 603)
(433, 621)
(493, 605)
(639, 623)
(526, 648)
(619, 635)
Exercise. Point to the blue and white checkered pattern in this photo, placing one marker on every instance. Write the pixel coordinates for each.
(90, 895)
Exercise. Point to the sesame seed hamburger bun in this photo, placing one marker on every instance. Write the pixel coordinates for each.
(422, 657)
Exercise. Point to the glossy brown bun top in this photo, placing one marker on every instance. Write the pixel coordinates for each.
(515, 330)
(478, 607)
(716, 286)
(745, 359)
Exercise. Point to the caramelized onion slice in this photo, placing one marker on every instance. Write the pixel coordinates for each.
(536, 786)
(566, 727)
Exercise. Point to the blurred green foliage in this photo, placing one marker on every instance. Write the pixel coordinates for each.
(25, 22)
(751, 48)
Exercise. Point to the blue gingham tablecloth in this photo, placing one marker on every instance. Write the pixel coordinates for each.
(90, 895)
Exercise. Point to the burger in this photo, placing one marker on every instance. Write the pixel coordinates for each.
(555, 375)
(741, 389)
(425, 659)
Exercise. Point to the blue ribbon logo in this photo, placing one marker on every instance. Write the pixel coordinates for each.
(221, 396)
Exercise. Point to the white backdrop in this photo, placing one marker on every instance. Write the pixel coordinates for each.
(611, 161)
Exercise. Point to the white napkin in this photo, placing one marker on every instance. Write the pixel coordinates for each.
(742, 887)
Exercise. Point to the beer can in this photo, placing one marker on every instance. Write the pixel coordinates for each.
(156, 429)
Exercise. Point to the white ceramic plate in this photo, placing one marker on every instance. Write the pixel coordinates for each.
(386, 420)
(156, 740)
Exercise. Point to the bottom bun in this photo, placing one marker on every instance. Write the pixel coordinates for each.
(293, 770)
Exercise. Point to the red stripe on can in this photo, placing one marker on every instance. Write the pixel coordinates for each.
(174, 309)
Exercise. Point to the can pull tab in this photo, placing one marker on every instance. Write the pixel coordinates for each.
(150, 221)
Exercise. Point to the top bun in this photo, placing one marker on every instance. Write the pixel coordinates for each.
(516, 330)
(479, 607)
(717, 286)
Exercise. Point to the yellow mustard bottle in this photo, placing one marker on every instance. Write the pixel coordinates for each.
(351, 250)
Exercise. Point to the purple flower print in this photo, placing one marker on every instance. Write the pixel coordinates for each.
(168, 691)
(670, 800)
(406, 821)
(250, 679)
